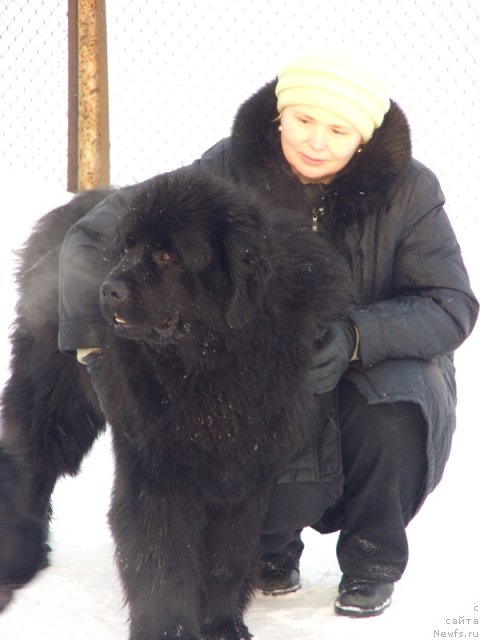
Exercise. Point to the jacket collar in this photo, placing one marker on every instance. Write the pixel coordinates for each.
(363, 187)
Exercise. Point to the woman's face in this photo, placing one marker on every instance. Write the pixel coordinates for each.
(316, 143)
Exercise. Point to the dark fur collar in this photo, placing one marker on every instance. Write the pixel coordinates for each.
(364, 186)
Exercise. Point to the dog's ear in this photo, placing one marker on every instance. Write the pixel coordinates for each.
(247, 255)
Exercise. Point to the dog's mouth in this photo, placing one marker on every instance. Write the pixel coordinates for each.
(163, 330)
(168, 325)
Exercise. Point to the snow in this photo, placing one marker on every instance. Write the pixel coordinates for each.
(79, 595)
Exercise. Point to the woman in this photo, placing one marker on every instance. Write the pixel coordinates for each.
(325, 139)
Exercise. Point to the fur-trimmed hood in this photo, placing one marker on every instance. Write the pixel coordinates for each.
(364, 186)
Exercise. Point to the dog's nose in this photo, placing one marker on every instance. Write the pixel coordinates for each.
(113, 290)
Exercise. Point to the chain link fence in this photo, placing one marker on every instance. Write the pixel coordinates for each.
(33, 91)
(178, 70)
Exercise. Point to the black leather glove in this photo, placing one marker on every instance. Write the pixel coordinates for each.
(334, 348)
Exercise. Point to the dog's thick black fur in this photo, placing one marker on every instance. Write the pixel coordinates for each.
(22, 543)
(213, 308)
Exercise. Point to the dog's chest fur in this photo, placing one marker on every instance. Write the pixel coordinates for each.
(209, 428)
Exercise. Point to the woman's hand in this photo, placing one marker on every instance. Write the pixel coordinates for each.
(335, 348)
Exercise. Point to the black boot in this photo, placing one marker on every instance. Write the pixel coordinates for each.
(279, 563)
(279, 574)
(360, 598)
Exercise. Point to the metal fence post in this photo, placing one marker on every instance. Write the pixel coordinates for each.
(88, 118)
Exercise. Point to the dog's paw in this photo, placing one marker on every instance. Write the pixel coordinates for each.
(230, 629)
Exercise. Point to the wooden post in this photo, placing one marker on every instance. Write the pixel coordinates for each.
(88, 125)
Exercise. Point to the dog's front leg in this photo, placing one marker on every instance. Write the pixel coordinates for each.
(157, 533)
(232, 539)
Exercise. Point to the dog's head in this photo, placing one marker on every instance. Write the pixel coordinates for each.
(193, 260)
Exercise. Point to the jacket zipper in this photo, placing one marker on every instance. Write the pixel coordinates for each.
(316, 212)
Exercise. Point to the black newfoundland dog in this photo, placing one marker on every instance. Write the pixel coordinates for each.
(213, 307)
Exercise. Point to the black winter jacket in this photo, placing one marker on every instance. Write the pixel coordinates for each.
(384, 211)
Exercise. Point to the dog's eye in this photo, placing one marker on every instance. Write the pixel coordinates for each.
(163, 257)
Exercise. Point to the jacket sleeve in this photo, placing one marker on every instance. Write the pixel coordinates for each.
(217, 159)
(432, 309)
(85, 259)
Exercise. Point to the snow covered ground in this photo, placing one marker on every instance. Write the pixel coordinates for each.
(79, 596)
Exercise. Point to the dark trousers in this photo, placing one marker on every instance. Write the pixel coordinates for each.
(384, 462)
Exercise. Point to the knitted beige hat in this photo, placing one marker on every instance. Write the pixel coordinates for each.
(337, 84)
